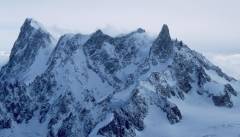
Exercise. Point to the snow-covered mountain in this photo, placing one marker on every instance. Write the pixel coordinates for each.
(97, 85)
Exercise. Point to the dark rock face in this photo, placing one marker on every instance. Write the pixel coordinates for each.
(16, 101)
(162, 47)
(5, 123)
(127, 118)
(111, 66)
(202, 77)
(173, 114)
(125, 49)
(61, 115)
(65, 48)
(65, 129)
(223, 100)
(95, 43)
(161, 85)
(44, 109)
(119, 127)
(43, 87)
(115, 54)
(183, 68)
(230, 90)
(98, 57)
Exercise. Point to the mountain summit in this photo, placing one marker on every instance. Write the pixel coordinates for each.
(31, 49)
(164, 34)
(97, 85)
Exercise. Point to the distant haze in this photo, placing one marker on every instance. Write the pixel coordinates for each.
(208, 26)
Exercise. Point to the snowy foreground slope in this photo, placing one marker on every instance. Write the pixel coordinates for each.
(101, 86)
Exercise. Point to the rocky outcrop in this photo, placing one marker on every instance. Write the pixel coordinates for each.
(16, 101)
(127, 118)
(225, 99)
(222, 100)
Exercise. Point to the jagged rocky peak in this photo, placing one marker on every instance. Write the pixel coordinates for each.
(140, 30)
(164, 34)
(162, 47)
(98, 36)
(31, 34)
(32, 40)
(98, 33)
(137, 31)
(95, 42)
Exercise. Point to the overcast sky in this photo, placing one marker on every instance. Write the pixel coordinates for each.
(209, 26)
